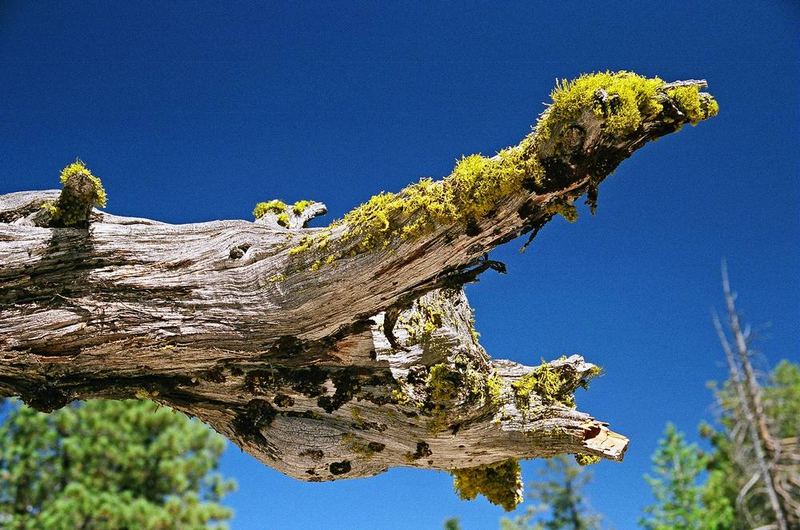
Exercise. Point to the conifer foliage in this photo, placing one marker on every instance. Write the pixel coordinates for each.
(109, 465)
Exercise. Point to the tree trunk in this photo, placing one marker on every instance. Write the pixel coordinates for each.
(330, 352)
(766, 451)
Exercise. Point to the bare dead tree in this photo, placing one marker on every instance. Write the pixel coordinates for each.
(754, 447)
(331, 352)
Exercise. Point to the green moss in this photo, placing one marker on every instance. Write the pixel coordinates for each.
(547, 383)
(476, 186)
(494, 384)
(299, 207)
(50, 208)
(564, 208)
(306, 242)
(479, 184)
(275, 206)
(422, 321)
(586, 460)
(78, 167)
(689, 102)
(443, 383)
(74, 205)
(501, 483)
(631, 99)
(551, 384)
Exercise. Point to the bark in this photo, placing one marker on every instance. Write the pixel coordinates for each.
(322, 372)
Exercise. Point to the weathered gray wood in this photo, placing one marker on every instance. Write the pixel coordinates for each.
(321, 370)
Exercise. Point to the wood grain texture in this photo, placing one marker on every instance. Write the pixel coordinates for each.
(322, 372)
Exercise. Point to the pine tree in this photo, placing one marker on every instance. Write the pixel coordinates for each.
(753, 469)
(452, 524)
(731, 485)
(677, 466)
(559, 502)
(109, 465)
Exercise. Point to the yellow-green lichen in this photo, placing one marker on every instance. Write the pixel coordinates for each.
(277, 278)
(449, 385)
(306, 242)
(586, 460)
(551, 384)
(299, 207)
(50, 208)
(280, 209)
(78, 167)
(275, 206)
(547, 383)
(420, 323)
(631, 99)
(563, 207)
(74, 205)
(494, 384)
(501, 483)
(401, 398)
(444, 386)
(472, 331)
(689, 102)
(478, 184)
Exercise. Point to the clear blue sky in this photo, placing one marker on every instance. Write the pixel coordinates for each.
(194, 111)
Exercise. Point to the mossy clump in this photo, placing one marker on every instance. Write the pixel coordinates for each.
(563, 207)
(494, 384)
(501, 483)
(281, 210)
(552, 384)
(443, 383)
(479, 184)
(82, 190)
(586, 460)
(630, 99)
(449, 385)
(300, 206)
(276, 207)
(420, 323)
(695, 107)
(79, 168)
(476, 186)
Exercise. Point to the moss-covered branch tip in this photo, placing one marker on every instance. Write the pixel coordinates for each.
(554, 383)
(620, 104)
(81, 191)
(623, 100)
(287, 215)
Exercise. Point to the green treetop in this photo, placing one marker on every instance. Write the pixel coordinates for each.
(677, 466)
(109, 465)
